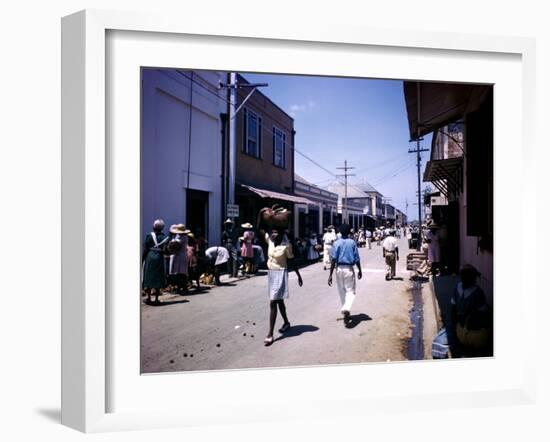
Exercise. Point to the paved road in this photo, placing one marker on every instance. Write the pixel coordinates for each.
(224, 327)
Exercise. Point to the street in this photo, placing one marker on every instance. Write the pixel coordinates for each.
(224, 327)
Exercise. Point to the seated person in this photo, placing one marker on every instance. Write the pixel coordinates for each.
(470, 317)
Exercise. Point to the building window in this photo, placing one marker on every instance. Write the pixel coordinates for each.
(279, 148)
(252, 134)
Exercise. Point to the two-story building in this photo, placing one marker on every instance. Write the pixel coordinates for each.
(315, 216)
(377, 202)
(356, 203)
(389, 214)
(460, 116)
(265, 156)
(400, 218)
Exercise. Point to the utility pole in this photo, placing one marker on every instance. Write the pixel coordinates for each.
(418, 159)
(419, 192)
(232, 87)
(345, 175)
(232, 137)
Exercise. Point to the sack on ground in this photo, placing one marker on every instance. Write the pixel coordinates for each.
(440, 345)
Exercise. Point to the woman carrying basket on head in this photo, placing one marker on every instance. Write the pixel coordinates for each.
(279, 260)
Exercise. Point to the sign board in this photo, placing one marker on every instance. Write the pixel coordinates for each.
(232, 210)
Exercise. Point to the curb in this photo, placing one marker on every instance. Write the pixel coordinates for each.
(432, 318)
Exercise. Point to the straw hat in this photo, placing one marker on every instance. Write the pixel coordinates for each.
(228, 221)
(247, 226)
(179, 229)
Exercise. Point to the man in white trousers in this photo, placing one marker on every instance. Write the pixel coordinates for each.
(344, 256)
(390, 252)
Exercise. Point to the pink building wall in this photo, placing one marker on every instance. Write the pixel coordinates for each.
(470, 254)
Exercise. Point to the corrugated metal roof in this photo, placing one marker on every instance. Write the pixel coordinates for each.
(353, 191)
(264, 193)
(365, 186)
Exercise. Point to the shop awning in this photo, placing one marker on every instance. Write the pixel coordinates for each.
(445, 174)
(264, 193)
(431, 106)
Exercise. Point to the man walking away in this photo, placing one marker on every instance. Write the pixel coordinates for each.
(328, 240)
(368, 236)
(390, 252)
(344, 256)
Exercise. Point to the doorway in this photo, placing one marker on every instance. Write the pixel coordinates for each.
(197, 212)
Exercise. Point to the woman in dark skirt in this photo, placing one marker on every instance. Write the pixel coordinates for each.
(280, 256)
(154, 277)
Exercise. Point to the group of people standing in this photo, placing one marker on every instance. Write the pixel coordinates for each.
(169, 260)
(177, 258)
(245, 251)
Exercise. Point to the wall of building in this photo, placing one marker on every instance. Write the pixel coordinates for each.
(470, 254)
(176, 140)
(261, 171)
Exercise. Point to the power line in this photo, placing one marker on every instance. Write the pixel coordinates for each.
(394, 173)
(346, 175)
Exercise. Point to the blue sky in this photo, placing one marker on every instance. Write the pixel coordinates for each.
(363, 121)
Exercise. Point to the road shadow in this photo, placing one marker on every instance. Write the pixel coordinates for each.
(297, 330)
(397, 278)
(199, 290)
(354, 320)
(165, 303)
(226, 284)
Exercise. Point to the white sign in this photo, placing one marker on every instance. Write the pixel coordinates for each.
(232, 210)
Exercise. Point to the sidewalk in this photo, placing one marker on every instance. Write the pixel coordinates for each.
(443, 288)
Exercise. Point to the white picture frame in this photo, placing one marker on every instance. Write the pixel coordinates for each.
(86, 317)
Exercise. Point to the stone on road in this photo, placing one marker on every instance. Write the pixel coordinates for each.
(224, 327)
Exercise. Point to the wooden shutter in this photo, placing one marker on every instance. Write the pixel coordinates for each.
(245, 132)
(479, 170)
(259, 142)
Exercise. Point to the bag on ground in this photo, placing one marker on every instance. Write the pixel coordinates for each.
(440, 345)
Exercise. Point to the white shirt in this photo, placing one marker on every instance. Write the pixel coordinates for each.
(329, 238)
(390, 244)
(219, 253)
(433, 246)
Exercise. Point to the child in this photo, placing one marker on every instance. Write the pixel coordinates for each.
(344, 256)
(471, 318)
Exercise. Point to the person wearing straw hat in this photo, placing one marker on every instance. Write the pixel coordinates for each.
(247, 252)
(154, 276)
(230, 240)
(178, 266)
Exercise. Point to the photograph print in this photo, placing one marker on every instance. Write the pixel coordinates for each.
(305, 220)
